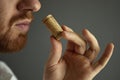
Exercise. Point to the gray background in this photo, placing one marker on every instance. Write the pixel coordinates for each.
(101, 17)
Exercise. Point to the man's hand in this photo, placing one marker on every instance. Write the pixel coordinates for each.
(78, 61)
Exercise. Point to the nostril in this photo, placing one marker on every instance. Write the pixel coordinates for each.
(22, 6)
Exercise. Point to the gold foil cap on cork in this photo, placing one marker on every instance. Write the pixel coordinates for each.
(53, 26)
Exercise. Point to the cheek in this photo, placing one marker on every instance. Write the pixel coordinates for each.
(3, 23)
(5, 16)
(7, 10)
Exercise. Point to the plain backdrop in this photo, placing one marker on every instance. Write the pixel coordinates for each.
(101, 17)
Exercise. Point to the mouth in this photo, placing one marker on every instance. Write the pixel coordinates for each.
(23, 25)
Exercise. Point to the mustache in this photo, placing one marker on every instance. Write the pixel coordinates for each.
(26, 15)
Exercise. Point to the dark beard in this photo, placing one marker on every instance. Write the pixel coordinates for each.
(7, 45)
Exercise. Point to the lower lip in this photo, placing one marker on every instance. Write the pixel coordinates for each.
(23, 27)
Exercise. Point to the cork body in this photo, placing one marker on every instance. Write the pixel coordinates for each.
(53, 26)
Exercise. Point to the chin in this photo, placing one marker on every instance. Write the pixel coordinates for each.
(12, 46)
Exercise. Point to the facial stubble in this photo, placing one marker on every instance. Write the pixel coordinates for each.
(9, 44)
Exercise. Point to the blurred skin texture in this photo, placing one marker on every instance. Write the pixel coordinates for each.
(15, 19)
(78, 61)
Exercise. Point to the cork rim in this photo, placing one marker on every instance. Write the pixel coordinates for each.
(46, 18)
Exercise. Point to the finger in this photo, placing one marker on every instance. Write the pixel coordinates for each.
(56, 52)
(105, 57)
(70, 45)
(76, 39)
(65, 28)
(94, 48)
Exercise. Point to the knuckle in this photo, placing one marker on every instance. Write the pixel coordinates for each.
(95, 49)
(98, 49)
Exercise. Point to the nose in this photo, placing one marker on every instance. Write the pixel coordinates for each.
(29, 5)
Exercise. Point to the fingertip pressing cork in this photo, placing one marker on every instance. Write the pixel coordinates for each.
(53, 26)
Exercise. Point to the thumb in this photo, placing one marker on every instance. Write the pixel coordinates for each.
(55, 53)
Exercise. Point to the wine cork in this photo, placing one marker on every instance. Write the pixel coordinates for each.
(53, 26)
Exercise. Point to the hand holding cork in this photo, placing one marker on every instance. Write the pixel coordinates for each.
(53, 26)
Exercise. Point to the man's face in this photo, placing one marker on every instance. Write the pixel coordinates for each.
(15, 18)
